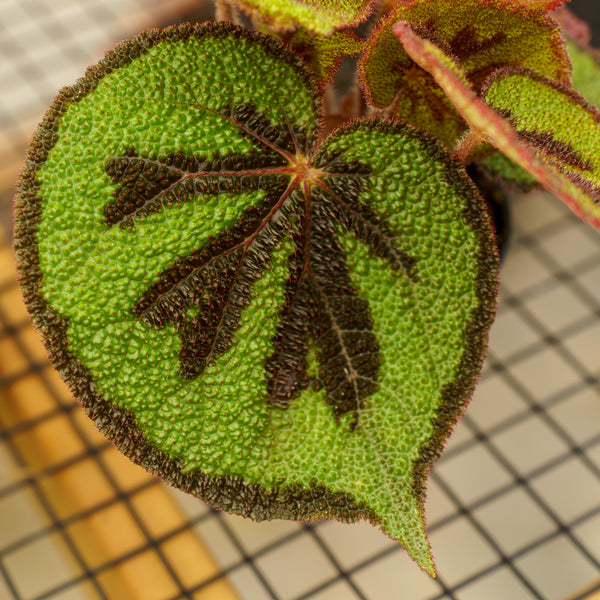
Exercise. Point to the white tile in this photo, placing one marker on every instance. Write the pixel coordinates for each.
(579, 415)
(438, 506)
(286, 568)
(501, 584)
(31, 34)
(588, 533)
(558, 308)
(4, 591)
(570, 489)
(557, 568)
(529, 444)
(192, 507)
(510, 333)
(514, 520)
(353, 543)
(338, 591)
(96, 40)
(590, 280)
(247, 584)
(19, 99)
(10, 471)
(77, 592)
(593, 452)
(473, 474)
(522, 271)
(52, 566)
(53, 61)
(73, 13)
(495, 402)
(459, 437)
(585, 346)
(256, 536)
(570, 245)
(534, 211)
(15, 13)
(544, 374)
(218, 542)
(394, 577)
(460, 551)
(20, 516)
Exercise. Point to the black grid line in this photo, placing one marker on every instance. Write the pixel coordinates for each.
(501, 365)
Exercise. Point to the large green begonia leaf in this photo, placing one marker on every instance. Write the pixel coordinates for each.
(283, 325)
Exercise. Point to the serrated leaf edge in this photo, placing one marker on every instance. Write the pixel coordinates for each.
(232, 494)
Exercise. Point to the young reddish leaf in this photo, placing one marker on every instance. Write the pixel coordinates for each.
(284, 326)
(324, 53)
(481, 36)
(318, 16)
(573, 28)
(541, 125)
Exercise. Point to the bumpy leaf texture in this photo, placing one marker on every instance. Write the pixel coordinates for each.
(319, 16)
(542, 125)
(585, 79)
(284, 326)
(478, 35)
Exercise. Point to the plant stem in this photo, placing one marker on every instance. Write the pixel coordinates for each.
(467, 144)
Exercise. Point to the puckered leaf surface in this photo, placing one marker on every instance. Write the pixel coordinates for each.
(586, 80)
(540, 124)
(319, 16)
(284, 326)
(481, 36)
(559, 124)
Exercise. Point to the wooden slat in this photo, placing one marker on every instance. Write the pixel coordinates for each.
(109, 533)
(589, 592)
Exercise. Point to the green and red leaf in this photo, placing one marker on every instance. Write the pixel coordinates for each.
(542, 125)
(564, 132)
(535, 5)
(283, 325)
(319, 16)
(480, 36)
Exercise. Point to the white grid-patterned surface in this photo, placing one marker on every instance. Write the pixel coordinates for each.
(514, 503)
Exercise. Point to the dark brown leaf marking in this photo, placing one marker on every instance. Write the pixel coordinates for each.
(205, 293)
(562, 151)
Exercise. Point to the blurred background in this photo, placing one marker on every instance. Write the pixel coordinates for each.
(514, 503)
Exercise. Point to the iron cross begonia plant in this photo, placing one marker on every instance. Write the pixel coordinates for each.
(276, 293)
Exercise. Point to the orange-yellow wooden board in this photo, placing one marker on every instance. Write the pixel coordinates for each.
(123, 522)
